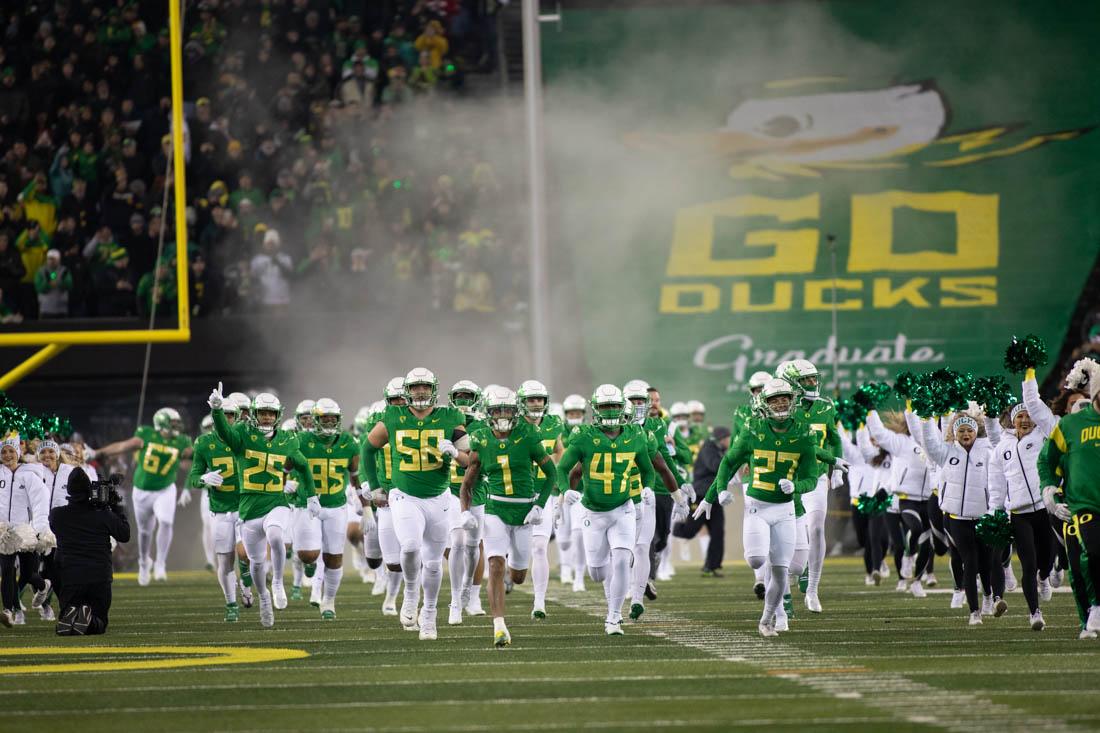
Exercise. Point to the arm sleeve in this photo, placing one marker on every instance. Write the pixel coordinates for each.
(1050, 458)
(228, 433)
(368, 464)
(40, 500)
(833, 441)
(851, 453)
(198, 468)
(993, 430)
(888, 439)
(998, 487)
(568, 459)
(731, 462)
(805, 479)
(934, 447)
(1040, 414)
(863, 442)
(306, 487)
(645, 466)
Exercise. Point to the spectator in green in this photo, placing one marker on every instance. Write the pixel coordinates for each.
(53, 282)
(210, 33)
(246, 189)
(158, 287)
(143, 42)
(114, 32)
(85, 162)
(424, 76)
(99, 248)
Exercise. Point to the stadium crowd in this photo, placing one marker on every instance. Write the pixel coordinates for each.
(327, 150)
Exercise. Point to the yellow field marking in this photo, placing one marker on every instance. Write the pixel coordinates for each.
(176, 575)
(197, 656)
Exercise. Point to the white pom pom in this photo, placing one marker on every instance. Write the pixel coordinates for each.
(9, 541)
(27, 537)
(47, 541)
(1084, 377)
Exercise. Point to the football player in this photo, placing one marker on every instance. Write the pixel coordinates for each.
(163, 450)
(263, 453)
(421, 437)
(504, 451)
(741, 417)
(534, 401)
(783, 463)
(464, 545)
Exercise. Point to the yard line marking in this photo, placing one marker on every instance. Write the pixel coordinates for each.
(169, 657)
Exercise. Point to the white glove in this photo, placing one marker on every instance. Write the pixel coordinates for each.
(290, 487)
(216, 398)
(786, 486)
(367, 522)
(689, 492)
(46, 542)
(647, 496)
(313, 506)
(638, 511)
(703, 510)
(836, 478)
(212, 478)
(357, 506)
(379, 498)
(842, 465)
(469, 521)
(1061, 511)
(725, 497)
(571, 497)
(679, 512)
(365, 493)
(184, 498)
(534, 517)
(447, 448)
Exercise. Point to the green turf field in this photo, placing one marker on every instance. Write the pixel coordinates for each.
(875, 660)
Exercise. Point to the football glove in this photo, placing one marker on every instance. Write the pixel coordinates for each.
(534, 517)
(679, 512)
(842, 465)
(313, 506)
(290, 487)
(703, 510)
(379, 498)
(725, 497)
(648, 496)
(689, 492)
(638, 511)
(447, 448)
(184, 498)
(212, 478)
(367, 522)
(469, 521)
(571, 497)
(786, 486)
(216, 398)
(1059, 510)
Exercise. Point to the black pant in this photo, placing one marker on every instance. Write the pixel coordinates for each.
(716, 526)
(897, 540)
(1035, 548)
(977, 560)
(871, 535)
(28, 575)
(917, 533)
(96, 596)
(1088, 524)
(663, 507)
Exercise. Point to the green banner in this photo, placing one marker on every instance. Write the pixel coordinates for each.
(717, 171)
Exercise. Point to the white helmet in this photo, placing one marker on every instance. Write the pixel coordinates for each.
(695, 407)
(266, 402)
(168, 420)
(758, 379)
(556, 410)
(798, 373)
(503, 402)
(327, 417)
(775, 388)
(633, 390)
(240, 399)
(462, 404)
(303, 415)
(417, 376)
(574, 403)
(377, 407)
(290, 425)
(530, 390)
(608, 406)
(395, 390)
(679, 409)
(207, 424)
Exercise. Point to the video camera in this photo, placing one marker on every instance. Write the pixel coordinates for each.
(104, 493)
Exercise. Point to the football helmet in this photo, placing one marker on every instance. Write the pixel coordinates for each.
(502, 408)
(680, 413)
(803, 376)
(574, 403)
(361, 423)
(608, 406)
(269, 404)
(464, 396)
(698, 410)
(394, 393)
(167, 420)
(636, 392)
(421, 376)
(533, 390)
(303, 415)
(289, 425)
(758, 380)
(556, 410)
(241, 400)
(327, 418)
(207, 424)
(775, 388)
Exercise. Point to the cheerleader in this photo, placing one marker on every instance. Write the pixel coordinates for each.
(24, 527)
(861, 479)
(55, 475)
(964, 500)
(1014, 485)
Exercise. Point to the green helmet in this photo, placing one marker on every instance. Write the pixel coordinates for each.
(167, 420)
(465, 405)
(608, 406)
(419, 376)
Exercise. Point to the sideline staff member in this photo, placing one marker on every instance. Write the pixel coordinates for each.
(84, 529)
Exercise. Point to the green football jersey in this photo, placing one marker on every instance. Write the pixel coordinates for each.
(329, 462)
(606, 463)
(771, 455)
(1072, 459)
(212, 454)
(383, 466)
(634, 475)
(262, 461)
(480, 492)
(819, 417)
(550, 429)
(419, 468)
(506, 464)
(158, 459)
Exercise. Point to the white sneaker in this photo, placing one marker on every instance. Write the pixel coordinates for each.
(45, 612)
(917, 589)
(1086, 634)
(813, 603)
(976, 618)
(869, 580)
(578, 583)
(876, 577)
(454, 615)
(278, 595)
(1057, 577)
(427, 625)
(664, 574)
(20, 618)
(389, 606)
(144, 575)
(767, 630)
(8, 619)
(902, 586)
(1093, 624)
(958, 598)
(267, 613)
(885, 570)
(782, 623)
(987, 606)
(1010, 580)
(907, 562)
(315, 591)
(40, 596)
(408, 617)
(379, 586)
(1045, 591)
(566, 574)
(160, 573)
(1036, 621)
(613, 628)
(930, 580)
(473, 608)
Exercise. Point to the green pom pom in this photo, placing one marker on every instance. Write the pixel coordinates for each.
(905, 383)
(872, 506)
(993, 394)
(1027, 354)
(871, 395)
(850, 414)
(995, 530)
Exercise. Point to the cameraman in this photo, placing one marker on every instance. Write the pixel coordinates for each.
(84, 529)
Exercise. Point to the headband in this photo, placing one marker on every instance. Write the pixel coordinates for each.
(966, 420)
(48, 444)
(1016, 410)
(14, 443)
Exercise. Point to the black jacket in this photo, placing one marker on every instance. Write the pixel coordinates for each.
(706, 467)
(83, 540)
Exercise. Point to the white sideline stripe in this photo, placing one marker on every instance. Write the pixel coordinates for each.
(599, 725)
(905, 699)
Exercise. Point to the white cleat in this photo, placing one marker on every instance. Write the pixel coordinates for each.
(917, 589)
(578, 583)
(782, 623)
(267, 613)
(958, 598)
(976, 618)
(1036, 621)
(454, 615)
(902, 586)
(40, 596)
(389, 606)
(566, 575)
(144, 575)
(1045, 591)
(246, 597)
(870, 580)
(907, 562)
(20, 618)
(160, 574)
(613, 628)
(885, 570)
(328, 609)
(1086, 634)
(999, 608)
(664, 575)
(930, 580)
(473, 608)
(408, 618)
(876, 577)
(767, 630)
(278, 595)
(379, 586)
(813, 603)
(315, 592)
(1093, 624)
(427, 625)
(1010, 580)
